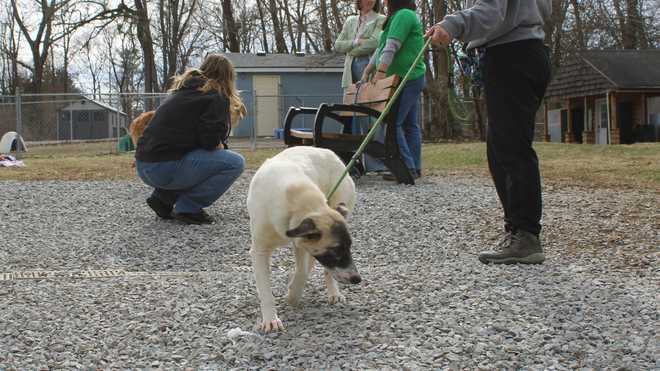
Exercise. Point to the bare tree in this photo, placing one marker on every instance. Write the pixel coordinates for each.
(579, 27)
(336, 15)
(231, 27)
(175, 18)
(95, 64)
(437, 88)
(278, 31)
(41, 38)
(300, 21)
(325, 28)
(140, 17)
(124, 70)
(554, 30)
(264, 33)
(65, 44)
(8, 52)
(249, 20)
(289, 25)
(630, 23)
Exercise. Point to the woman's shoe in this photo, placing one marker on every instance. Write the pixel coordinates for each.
(161, 209)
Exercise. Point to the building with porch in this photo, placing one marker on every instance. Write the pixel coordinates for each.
(605, 97)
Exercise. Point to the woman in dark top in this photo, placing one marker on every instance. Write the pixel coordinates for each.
(183, 153)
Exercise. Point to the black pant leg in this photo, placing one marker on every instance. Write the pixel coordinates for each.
(499, 179)
(517, 75)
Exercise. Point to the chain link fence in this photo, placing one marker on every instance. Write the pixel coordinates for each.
(66, 118)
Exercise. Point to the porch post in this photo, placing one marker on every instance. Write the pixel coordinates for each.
(616, 132)
(569, 131)
(645, 110)
(587, 134)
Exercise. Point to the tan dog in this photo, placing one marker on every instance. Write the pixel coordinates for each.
(286, 202)
(136, 128)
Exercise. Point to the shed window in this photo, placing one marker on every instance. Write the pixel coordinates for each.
(83, 116)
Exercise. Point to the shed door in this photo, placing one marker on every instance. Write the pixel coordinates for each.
(601, 121)
(554, 125)
(267, 105)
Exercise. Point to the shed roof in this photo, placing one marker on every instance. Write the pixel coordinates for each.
(81, 104)
(244, 62)
(593, 72)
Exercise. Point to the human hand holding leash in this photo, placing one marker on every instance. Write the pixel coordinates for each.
(439, 36)
(366, 74)
(379, 75)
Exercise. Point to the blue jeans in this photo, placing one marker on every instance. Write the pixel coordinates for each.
(198, 179)
(361, 124)
(408, 133)
(358, 66)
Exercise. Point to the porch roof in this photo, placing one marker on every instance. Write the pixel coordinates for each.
(593, 72)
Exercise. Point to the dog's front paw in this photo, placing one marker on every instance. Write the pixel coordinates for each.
(273, 325)
(293, 299)
(336, 298)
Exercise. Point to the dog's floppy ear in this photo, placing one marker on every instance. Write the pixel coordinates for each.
(342, 209)
(306, 228)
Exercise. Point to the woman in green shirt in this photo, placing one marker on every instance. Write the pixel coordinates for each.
(400, 42)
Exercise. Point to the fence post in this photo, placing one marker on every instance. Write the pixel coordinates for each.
(253, 134)
(19, 122)
(70, 124)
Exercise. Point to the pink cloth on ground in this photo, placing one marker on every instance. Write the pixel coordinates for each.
(9, 161)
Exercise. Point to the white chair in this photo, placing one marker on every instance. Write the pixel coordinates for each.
(10, 140)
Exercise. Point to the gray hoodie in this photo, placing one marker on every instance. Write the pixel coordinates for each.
(493, 22)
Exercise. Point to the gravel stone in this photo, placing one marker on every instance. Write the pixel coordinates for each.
(425, 301)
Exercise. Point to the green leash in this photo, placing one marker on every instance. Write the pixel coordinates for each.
(373, 129)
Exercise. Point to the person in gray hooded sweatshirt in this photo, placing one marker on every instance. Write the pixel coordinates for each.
(516, 75)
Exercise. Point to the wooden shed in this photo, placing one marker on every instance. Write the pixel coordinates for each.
(89, 119)
(271, 83)
(605, 97)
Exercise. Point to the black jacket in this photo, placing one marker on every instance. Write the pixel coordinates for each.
(186, 120)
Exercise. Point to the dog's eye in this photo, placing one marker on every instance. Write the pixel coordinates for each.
(313, 236)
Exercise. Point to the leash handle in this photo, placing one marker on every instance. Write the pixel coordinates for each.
(372, 131)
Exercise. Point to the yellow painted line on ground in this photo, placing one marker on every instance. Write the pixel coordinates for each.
(104, 273)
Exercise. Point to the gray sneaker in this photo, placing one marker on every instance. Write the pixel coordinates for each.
(523, 248)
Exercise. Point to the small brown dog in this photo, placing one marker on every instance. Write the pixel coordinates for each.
(136, 128)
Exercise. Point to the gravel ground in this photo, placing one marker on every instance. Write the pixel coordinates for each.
(179, 296)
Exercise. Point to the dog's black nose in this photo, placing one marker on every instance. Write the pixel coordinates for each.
(355, 279)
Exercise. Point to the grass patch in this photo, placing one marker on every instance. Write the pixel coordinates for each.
(572, 164)
(611, 166)
(93, 161)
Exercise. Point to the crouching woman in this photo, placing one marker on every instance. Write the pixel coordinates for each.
(183, 153)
